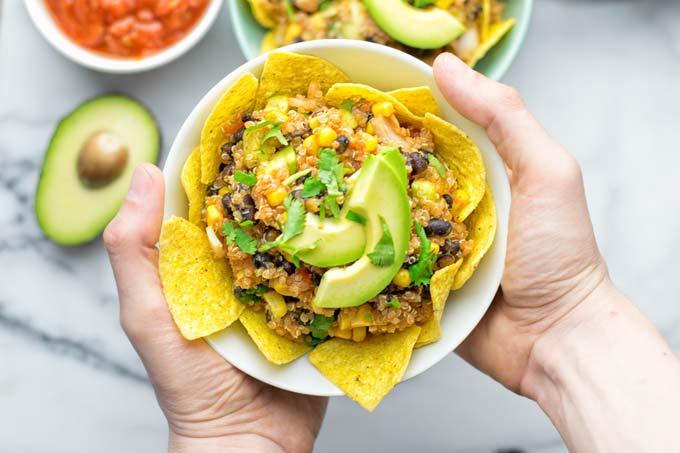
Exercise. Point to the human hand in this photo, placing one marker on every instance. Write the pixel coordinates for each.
(553, 264)
(209, 404)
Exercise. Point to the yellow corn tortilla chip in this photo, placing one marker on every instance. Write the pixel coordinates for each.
(485, 20)
(193, 187)
(481, 227)
(366, 371)
(274, 347)
(419, 100)
(356, 92)
(494, 35)
(268, 42)
(238, 99)
(258, 7)
(440, 286)
(197, 287)
(289, 74)
(463, 158)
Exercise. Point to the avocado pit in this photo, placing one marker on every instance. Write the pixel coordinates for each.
(102, 158)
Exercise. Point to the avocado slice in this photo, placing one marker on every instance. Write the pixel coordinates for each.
(378, 193)
(420, 28)
(88, 165)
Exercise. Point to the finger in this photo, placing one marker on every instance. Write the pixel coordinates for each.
(520, 139)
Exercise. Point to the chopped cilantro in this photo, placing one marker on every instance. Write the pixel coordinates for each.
(393, 303)
(320, 326)
(276, 133)
(259, 126)
(383, 254)
(356, 217)
(421, 271)
(331, 171)
(252, 295)
(243, 240)
(248, 179)
(347, 104)
(312, 187)
(246, 224)
(330, 202)
(436, 164)
(295, 224)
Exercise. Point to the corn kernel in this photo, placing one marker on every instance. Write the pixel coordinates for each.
(434, 247)
(293, 31)
(402, 279)
(275, 303)
(213, 217)
(276, 197)
(341, 333)
(344, 322)
(311, 145)
(281, 287)
(362, 317)
(314, 122)
(223, 191)
(358, 334)
(370, 129)
(326, 136)
(383, 109)
(370, 143)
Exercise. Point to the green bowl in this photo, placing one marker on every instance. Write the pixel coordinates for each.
(249, 35)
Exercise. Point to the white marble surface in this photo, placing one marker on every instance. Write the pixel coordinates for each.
(603, 77)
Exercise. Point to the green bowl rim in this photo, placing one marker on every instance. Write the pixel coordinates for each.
(497, 72)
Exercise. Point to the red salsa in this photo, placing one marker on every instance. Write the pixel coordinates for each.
(126, 28)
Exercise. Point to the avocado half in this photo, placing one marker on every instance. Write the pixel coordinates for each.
(419, 28)
(88, 165)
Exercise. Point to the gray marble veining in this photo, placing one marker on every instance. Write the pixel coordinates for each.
(601, 75)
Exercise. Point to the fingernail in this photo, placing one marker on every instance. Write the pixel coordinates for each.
(140, 185)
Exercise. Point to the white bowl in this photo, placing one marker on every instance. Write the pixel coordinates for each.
(44, 22)
(384, 68)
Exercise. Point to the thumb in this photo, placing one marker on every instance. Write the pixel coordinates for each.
(519, 138)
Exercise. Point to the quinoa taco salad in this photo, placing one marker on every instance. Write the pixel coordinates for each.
(423, 28)
(326, 216)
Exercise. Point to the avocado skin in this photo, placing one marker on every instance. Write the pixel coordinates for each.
(44, 213)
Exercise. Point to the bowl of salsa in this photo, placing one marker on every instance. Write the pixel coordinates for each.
(123, 36)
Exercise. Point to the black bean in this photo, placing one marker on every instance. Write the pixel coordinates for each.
(247, 213)
(247, 117)
(425, 293)
(445, 260)
(438, 227)
(226, 203)
(417, 162)
(369, 117)
(212, 191)
(288, 267)
(261, 259)
(270, 234)
(238, 136)
(229, 170)
(343, 143)
(451, 246)
(226, 148)
(316, 278)
(248, 200)
(222, 166)
(290, 299)
(238, 292)
(449, 200)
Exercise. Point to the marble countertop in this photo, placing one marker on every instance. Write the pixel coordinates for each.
(601, 75)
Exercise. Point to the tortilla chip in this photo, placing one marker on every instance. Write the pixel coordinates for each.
(485, 19)
(197, 286)
(277, 349)
(356, 92)
(463, 158)
(193, 187)
(366, 371)
(239, 98)
(268, 42)
(495, 34)
(419, 100)
(289, 74)
(440, 286)
(258, 7)
(481, 226)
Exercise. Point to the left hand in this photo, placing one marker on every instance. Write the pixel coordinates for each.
(209, 404)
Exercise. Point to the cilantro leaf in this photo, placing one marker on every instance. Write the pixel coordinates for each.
(356, 217)
(383, 254)
(393, 303)
(421, 271)
(259, 126)
(248, 179)
(331, 171)
(295, 225)
(436, 164)
(312, 187)
(243, 240)
(276, 133)
(347, 104)
(246, 224)
(250, 296)
(320, 326)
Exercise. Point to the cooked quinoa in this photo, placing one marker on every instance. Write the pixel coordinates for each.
(248, 200)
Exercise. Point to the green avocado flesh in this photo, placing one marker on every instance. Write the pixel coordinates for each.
(420, 28)
(69, 211)
(378, 192)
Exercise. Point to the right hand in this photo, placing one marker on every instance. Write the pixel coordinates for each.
(553, 264)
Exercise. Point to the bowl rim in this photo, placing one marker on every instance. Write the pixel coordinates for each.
(496, 73)
(174, 163)
(43, 21)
